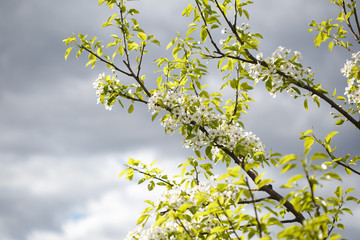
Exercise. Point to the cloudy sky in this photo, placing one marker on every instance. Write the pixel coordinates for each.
(60, 153)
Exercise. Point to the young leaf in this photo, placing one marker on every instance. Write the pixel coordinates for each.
(142, 36)
(67, 52)
(203, 34)
(306, 105)
(330, 136)
(287, 159)
(131, 108)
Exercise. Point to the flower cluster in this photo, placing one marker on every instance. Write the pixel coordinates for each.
(213, 129)
(279, 68)
(108, 88)
(173, 199)
(105, 88)
(350, 70)
(154, 232)
(244, 29)
(99, 86)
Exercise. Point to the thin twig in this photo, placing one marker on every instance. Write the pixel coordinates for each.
(267, 188)
(349, 24)
(254, 200)
(105, 61)
(152, 176)
(332, 156)
(140, 61)
(356, 17)
(311, 185)
(183, 226)
(126, 51)
(230, 222)
(325, 98)
(207, 29)
(132, 98)
(234, 31)
(254, 205)
(236, 94)
(311, 89)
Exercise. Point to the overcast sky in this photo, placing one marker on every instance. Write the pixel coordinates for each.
(60, 153)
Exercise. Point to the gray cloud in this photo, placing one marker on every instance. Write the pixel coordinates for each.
(61, 153)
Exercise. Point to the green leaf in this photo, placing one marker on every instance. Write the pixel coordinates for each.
(122, 173)
(338, 192)
(79, 52)
(306, 105)
(340, 121)
(203, 34)
(67, 52)
(132, 45)
(99, 51)
(295, 178)
(69, 40)
(258, 178)
(132, 161)
(130, 174)
(131, 109)
(218, 229)
(335, 236)
(349, 190)
(329, 137)
(308, 142)
(331, 175)
(288, 167)
(159, 220)
(121, 50)
(307, 132)
(264, 182)
(190, 31)
(170, 44)
(184, 207)
(187, 10)
(141, 36)
(287, 159)
(341, 98)
(151, 185)
(133, 11)
(319, 155)
(150, 202)
(268, 85)
(334, 93)
(198, 154)
(142, 218)
(91, 62)
(101, 2)
(154, 116)
(208, 152)
(156, 42)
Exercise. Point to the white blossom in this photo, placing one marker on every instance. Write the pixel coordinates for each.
(174, 198)
(226, 135)
(352, 91)
(280, 61)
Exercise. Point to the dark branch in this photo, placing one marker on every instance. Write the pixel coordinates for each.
(349, 24)
(104, 60)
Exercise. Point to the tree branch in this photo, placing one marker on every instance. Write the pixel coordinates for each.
(152, 176)
(356, 17)
(267, 188)
(104, 60)
(333, 157)
(349, 24)
(330, 102)
(253, 203)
